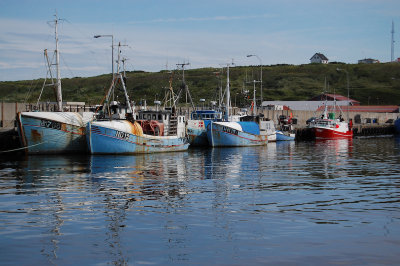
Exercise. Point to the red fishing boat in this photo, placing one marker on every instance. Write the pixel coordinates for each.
(329, 127)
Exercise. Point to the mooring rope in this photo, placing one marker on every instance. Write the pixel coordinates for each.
(23, 148)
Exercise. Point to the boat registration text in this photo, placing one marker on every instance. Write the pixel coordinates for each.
(122, 135)
(50, 124)
(230, 130)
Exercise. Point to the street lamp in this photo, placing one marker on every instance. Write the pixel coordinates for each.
(112, 50)
(348, 94)
(261, 87)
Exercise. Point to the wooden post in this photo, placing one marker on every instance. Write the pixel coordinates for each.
(16, 112)
(2, 114)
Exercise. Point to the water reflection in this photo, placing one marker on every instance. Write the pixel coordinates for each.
(232, 162)
(223, 206)
(144, 184)
(333, 157)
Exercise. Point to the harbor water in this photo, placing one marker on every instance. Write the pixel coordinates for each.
(292, 203)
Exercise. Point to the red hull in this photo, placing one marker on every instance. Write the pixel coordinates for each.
(325, 133)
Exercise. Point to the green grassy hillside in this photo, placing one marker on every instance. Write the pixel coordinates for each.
(373, 84)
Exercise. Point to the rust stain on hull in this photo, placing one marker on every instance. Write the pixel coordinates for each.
(36, 136)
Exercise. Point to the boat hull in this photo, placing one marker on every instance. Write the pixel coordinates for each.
(117, 137)
(281, 136)
(328, 133)
(197, 132)
(52, 133)
(225, 134)
(397, 125)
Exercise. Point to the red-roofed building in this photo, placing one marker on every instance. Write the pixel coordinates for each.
(333, 97)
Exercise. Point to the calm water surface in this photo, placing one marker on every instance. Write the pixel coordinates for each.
(307, 203)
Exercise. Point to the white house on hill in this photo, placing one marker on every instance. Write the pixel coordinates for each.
(319, 58)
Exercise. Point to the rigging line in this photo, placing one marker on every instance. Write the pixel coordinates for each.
(31, 88)
(28, 94)
(48, 67)
(78, 29)
(66, 65)
(23, 148)
(86, 36)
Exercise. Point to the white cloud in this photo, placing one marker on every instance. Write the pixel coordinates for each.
(150, 47)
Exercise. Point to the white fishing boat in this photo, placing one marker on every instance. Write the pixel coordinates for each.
(53, 132)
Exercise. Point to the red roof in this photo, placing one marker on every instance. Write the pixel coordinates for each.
(332, 97)
(366, 108)
(339, 97)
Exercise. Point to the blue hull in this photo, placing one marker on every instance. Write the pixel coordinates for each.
(280, 136)
(397, 125)
(221, 135)
(105, 140)
(198, 136)
(40, 136)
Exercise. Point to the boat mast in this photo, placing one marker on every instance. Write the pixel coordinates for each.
(58, 85)
(129, 110)
(228, 92)
(326, 102)
(228, 95)
(220, 97)
(185, 86)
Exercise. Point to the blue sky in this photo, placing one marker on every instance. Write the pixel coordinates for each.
(160, 34)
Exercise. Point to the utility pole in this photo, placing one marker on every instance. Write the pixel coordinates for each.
(261, 82)
(112, 50)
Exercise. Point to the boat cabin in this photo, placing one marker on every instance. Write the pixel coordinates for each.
(161, 123)
(116, 110)
(160, 116)
(206, 115)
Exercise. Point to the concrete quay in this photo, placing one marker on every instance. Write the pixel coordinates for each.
(306, 134)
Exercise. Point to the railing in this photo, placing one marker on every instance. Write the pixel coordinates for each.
(52, 107)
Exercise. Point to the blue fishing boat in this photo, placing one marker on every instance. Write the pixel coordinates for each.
(117, 130)
(232, 134)
(197, 126)
(127, 137)
(285, 136)
(286, 131)
(237, 131)
(397, 125)
(148, 132)
(53, 132)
